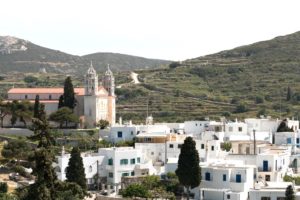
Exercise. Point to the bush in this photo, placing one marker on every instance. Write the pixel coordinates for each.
(226, 114)
(173, 65)
(241, 108)
(30, 79)
(259, 99)
(3, 187)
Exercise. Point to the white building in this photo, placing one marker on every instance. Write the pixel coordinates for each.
(271, 191)
(91, 163)
(128, 132)
(225, 181)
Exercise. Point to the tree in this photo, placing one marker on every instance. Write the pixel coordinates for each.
(102, 123)
(75, 170)
(61, 102)
(151, 182)
(188, 171)
(4, 111)
(289, 193)
(135, 190)
(65, 116)
(36, 107)
(69, 95)
(46, 186)
(16, 149)
(283, 127)
(289, 94)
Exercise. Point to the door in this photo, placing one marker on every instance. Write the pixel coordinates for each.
(238, 178)
(265, 166)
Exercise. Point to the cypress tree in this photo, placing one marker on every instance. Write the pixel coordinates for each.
(188, 171)
(61, 102)
(69, 95)
(289, 193)
(36, 108)
(75, 170)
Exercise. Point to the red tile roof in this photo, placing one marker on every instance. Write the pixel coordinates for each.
(78, 91)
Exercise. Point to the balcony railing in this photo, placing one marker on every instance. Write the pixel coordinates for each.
(264, 169)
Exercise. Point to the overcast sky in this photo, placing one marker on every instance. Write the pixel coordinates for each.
(165, 29)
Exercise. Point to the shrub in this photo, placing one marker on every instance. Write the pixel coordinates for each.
(241, 108)
(173, 65)
(3, 187)
(259, 99)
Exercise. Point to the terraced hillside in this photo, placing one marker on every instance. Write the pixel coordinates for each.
(247, 81)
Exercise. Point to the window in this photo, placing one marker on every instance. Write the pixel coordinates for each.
(280, 198)
(125, 174)
(202, 146)
(132, 173)
(90, 168)
(171, 145)
(110, 175)
(132, 161)
(224, 177)
(123, 161)
(120, 134)
(212, 148)
(298, 140)
(265, 198)
(207, 176)
(240, 129)
(138, 160)
(228, 196)
(230, 129)
(26, 97)
(110, 161)
(179, 146)
(50, 96)
(268, 177)
(289, 140)
(152, 153)
(131, 132)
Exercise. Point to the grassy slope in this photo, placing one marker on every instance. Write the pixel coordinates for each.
(205, 86)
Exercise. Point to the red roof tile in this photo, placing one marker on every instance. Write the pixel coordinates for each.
(78, 91)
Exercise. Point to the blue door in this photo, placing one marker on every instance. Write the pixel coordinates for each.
(265, 166)
(238, 178)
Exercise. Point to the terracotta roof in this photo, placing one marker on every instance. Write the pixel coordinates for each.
(78, 91)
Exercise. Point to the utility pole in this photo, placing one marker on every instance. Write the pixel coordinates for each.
(254, 142)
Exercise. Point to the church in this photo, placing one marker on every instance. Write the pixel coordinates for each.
(94, 101)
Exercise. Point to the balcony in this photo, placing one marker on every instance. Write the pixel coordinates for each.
(264, 169)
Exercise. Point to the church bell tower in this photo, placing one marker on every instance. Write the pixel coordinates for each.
(108, 82)
(91, 81)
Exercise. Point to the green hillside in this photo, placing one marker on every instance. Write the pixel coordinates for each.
(247, 81)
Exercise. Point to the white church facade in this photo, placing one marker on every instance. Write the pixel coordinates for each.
(94, 101)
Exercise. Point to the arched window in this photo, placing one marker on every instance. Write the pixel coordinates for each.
(50, 96)
(26, 97)
(90, 168)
